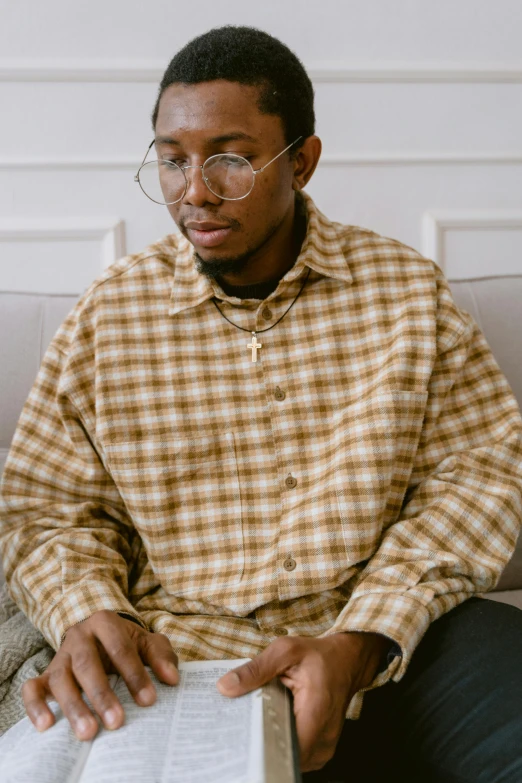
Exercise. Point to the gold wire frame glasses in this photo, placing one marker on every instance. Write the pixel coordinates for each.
(227, 175)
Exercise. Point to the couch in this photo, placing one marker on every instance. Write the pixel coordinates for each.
(29, 321)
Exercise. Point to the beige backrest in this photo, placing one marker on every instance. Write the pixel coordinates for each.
(28, 322)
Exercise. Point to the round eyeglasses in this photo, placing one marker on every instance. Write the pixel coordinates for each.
(228, 176)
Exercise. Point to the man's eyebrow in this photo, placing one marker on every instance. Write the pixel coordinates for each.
(235, 136)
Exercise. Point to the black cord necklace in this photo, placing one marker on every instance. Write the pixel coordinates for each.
(254, 345)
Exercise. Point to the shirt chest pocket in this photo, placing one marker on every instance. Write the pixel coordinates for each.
(184, 497)
(375, 443)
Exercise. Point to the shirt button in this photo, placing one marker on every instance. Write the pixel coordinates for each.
(290, 481)
(279, 394)
(289, 564)
(266, 313)
(280, 631)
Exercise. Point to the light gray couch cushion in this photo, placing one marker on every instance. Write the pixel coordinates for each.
(496, 305)
(28, 322)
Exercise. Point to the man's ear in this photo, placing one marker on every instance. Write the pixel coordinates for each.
(305, 161)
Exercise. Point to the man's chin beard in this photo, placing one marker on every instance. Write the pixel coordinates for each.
(217, 267)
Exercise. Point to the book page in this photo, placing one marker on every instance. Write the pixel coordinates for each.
(51, 756)
(191, 734)
(214, 737)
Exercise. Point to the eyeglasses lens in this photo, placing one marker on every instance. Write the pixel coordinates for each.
(162, 181)
(228, 176)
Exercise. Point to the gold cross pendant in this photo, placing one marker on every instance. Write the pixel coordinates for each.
(254, 345)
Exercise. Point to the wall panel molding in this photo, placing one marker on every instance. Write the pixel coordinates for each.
(436, 223)
(110, 232)
(328, 160)
(134, 71)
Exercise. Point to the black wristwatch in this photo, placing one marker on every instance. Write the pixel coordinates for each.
(392, 652)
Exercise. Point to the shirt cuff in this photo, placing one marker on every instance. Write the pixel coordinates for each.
(80, 604)
(400, 617)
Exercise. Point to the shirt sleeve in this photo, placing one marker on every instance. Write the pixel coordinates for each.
(462, 511)
(67, 542)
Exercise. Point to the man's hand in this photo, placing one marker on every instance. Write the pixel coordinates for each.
(323, 675)
(103, 644)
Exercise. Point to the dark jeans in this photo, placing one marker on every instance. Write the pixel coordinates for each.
(456, 715)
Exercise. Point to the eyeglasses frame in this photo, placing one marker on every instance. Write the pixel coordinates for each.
(183, 168)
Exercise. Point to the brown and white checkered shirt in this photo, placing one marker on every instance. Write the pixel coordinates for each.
(364, 474)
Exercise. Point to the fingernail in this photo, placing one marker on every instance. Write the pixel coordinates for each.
(82, 726)
(229, 681)
(146, 696)
(111, 717)
(41, 722)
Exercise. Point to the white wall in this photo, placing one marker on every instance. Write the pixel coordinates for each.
(419, 106)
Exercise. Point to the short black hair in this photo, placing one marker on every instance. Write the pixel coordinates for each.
(248, 56)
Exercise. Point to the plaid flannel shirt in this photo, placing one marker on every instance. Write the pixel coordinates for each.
(365, 474)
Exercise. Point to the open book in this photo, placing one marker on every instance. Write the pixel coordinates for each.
(191, 734)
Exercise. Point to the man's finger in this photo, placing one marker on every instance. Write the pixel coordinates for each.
(34, 693)
(274, 660)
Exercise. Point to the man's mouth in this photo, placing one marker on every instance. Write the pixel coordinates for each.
(207, 233)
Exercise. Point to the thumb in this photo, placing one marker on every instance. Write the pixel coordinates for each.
(258, 671)
(230, 684)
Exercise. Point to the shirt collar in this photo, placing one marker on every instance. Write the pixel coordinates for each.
(322, 251)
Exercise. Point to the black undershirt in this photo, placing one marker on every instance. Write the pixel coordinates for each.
(251, 291)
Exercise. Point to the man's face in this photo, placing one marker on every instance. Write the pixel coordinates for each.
(210, 118)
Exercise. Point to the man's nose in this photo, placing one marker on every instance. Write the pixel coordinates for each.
(197, 192)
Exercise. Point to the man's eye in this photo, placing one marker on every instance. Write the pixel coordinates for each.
(235, 155)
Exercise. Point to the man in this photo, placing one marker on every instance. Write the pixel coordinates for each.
(275, 437)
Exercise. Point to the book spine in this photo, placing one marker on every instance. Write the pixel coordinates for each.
(281, 747)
